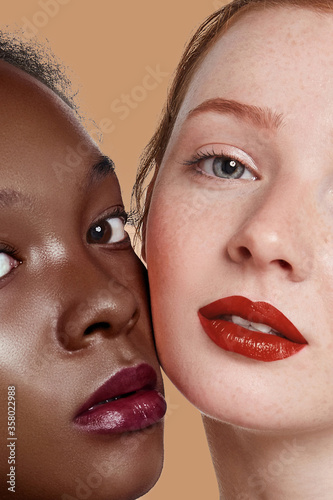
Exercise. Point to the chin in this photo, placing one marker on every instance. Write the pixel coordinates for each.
(143, 472)
(104, 468)
(239, 392)
(276, 415)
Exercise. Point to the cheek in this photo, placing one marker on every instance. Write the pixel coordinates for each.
(180, 228)
(173, 242)
(177, 270)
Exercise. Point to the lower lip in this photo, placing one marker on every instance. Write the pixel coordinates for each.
(138, 411)
(254, 345)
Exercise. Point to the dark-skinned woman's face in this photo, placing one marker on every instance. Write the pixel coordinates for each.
(73, 309)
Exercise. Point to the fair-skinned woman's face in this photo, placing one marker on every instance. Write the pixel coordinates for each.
(74, 315)
(241, 214)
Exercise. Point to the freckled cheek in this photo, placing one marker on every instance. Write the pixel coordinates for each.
(172, 235)
(176, 269)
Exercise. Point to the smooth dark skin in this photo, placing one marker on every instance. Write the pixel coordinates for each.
(73, 312)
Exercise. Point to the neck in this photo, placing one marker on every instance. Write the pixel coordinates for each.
(253, 465)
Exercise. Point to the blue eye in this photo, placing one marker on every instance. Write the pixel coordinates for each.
(7, 264)
(106, 231)
(228, 168)
(223, 166)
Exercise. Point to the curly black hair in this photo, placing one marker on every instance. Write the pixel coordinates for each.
(38, 60)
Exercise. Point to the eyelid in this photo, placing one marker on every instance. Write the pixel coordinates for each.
(112, 213)
(219, 150)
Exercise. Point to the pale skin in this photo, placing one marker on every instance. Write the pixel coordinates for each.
(266, 236)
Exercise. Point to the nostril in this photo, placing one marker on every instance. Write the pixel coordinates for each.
(244, 253)
(284, 264)
(102, 325)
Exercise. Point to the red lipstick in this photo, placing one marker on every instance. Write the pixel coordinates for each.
(221, 322)
(128, 401)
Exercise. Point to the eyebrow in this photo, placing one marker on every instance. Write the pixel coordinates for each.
(256, 115)
(99, 171)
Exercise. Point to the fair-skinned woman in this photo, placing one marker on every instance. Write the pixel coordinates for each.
(237, 232)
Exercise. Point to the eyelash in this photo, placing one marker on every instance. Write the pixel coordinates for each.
(119, 212)
(115, 213)
(203, 156)
(9, 250)
(206, 155)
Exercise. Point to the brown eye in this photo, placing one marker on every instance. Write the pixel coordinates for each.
(107, 231)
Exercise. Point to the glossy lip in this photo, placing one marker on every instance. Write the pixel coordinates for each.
(135, 403)
(252, 344)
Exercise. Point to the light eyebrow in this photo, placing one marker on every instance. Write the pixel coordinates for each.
(261, 117)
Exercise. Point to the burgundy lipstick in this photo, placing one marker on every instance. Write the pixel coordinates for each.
(128, 401)
(256, 330)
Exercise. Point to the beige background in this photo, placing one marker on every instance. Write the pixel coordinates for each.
(110, 44)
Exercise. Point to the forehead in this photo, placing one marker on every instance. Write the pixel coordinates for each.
(267, 57)
(39, 134)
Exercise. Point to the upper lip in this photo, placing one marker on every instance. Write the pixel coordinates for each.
(258, 312)
(124, 382)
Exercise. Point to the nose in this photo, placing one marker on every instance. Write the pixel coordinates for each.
(93, 306)
(272, 236)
